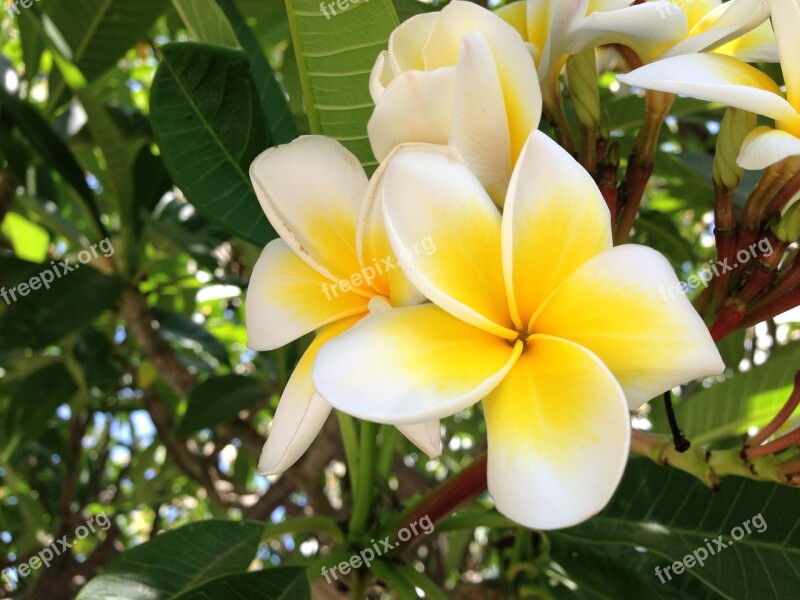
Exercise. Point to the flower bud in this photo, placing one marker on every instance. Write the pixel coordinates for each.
(582, 82)
(788, 228)
(736, 124)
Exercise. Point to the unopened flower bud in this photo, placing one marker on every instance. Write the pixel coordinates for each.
(582, 83)
(788, 228)
(736, 124)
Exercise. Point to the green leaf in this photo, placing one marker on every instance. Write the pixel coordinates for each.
(657, 230)
(34, 402)
(335, 55)
(52, 149)
(207, 119)
(280, 583)
(273, 100)
(33, 44)
(30, 242)
(177, 561)
(99, 32)
(609, 572)
(671, 514)
(44, 316)
(206, 22)
(191, 336)
(218, 400)
(411, 8)
(118, 173)
(730, 408)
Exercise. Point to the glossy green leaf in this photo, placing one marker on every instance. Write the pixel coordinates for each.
(730, 408)
(76, 296)
(206, 22)
(273, 99)
(118, 181)
(280, 583)
(218, 400)
(53, 149)
(99, 32)
(177, 561)
(671, 514)
(335, 54)
(208, 122)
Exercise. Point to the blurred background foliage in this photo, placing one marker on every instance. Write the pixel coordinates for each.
(127, 388)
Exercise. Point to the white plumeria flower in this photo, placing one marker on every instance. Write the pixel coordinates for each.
(719, 78)
(330, 267)
(561, 28)
(533, 311)
(461, 77)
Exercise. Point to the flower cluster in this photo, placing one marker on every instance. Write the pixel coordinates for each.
(526, 305)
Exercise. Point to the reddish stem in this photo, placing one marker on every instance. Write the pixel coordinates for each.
(787, 281)
(780, 418)
(782, 443)
(788, 302)
(439, 504)
(725, 234)
(729, 318)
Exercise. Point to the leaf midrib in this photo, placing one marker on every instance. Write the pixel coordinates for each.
(209, 129)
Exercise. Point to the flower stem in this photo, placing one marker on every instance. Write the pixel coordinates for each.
(780, 418)
(557, 116)
(640, 163)
(725, 234)
(365, 485)
(441, 502)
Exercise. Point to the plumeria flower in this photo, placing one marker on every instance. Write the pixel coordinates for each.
(462, 77)
(723, 79)
(561, 28)
(533, 311)
(736, 28)
(331, 266)
(557, 29)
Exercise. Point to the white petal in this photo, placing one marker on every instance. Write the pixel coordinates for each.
(716, 78)
(380, 77)
(627, 307)
(558, 432)
(739, 17)
(480, 125)
(786, 22)
(425, 436)
(298, 420)
(407, 42)
(287, 299)
(316, 216)
(372, 243)
(433, 202)
(411, 365)
(301, 411)
(415, 107)
(515, 65)
(649, 29)
(554, 221)
(764, 147)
